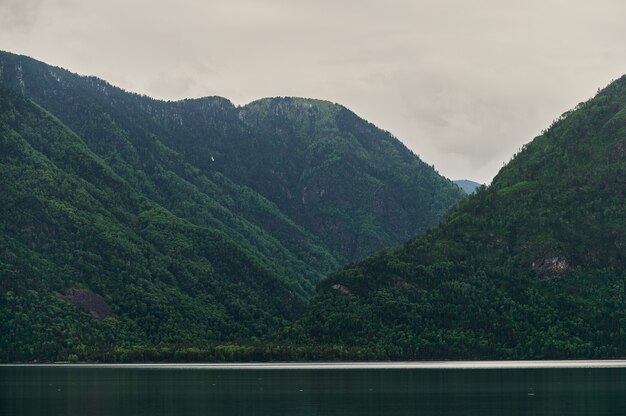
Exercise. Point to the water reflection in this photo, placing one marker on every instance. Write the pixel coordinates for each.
(156, 391)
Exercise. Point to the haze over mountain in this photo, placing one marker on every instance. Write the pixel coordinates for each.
(534, 266)
(183, 219)
(466, 185)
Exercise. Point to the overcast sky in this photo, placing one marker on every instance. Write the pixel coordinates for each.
(462, 83)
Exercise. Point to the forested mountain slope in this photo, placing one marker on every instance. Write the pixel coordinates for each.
(119, 128)
(87, 263)
(128, 221)
(305, 183)
(533, 266)
(352, 184)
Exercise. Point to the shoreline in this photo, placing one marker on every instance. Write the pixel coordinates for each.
(382, 365)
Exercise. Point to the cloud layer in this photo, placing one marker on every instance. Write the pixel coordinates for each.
(463, 84)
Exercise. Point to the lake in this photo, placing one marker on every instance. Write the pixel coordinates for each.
(462, 388)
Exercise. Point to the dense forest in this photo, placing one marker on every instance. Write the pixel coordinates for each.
(71, 225)
(325, 185)
(128, 221)
(533, 266)
(133, 229)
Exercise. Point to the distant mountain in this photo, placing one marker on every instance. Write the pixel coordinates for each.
(233, 214)
(467, 186)
(534, 266)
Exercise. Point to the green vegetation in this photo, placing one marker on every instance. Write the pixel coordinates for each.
(532, 267)
(133, 229)
(69, 221)
(196, 222)
(304, 184)
(305, 152)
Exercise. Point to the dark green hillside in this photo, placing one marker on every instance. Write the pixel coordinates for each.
(533, 266)
(125, 132)
(350, 183)
(353, 185)
(71, 229)
(305, 184)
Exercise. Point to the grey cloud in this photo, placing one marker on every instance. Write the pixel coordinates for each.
(463, 84)
(167, 85)
(178, 84)
(18, 14)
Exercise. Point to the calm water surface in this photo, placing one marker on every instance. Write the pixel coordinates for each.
(191, 390)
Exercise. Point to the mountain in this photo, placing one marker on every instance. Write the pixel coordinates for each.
(119, 128)
(349, 187)
(129, 221)
(87, 263)
(533, 266)
(466, 185)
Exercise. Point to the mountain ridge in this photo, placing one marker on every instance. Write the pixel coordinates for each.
(183, 126)
(223, 235)
(69, 222)
(531, 267)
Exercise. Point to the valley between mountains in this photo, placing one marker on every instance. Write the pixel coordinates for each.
(134, 229)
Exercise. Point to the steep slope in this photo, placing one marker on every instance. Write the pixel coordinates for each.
(533, 266)
(350, 183)
(76, 239)
(353, 185)
(324, 186)
(125, 132)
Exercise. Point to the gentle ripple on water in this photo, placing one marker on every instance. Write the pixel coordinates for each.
(461, 388)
